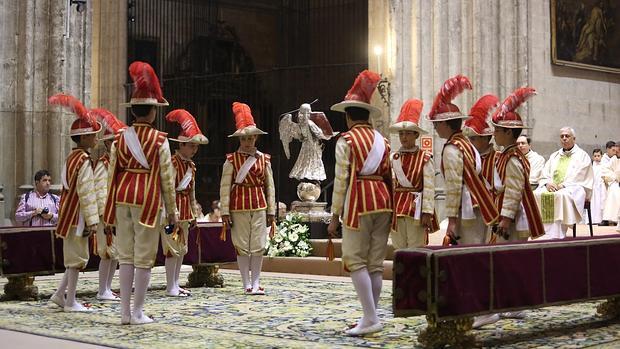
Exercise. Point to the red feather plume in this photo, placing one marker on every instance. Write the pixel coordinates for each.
(243, 115)
(186, 120)
(363, 87)
(512, 102)
(71, 103)
(480, 112)
(146, 83)
(108, 120)
(410, 111)
(450, 89)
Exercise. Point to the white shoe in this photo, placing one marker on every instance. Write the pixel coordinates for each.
(59, 301)
(513, 315)
(482, 320)
(258, 291)
(76, 307)
(362, 331)
(111, 296)
(140, 320)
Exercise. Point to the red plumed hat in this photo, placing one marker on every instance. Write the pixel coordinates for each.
(506, 116)
(111, 124)
(190, 132)
(476, 124)
(86, 123)
(442, 108)
(360, 93)
(244, 121)
(146, 87)
(409, 117)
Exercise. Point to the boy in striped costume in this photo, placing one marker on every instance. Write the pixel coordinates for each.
(413, 182)
(469, 204)
(77, 217)
(520, 218)
(479, 132)
(247, 196)
(174, 245)
(140, 178)
(362, 197)
(105, 244)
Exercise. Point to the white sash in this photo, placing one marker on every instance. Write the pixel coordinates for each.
(397, 166)
(133, 143)
(467, 207)
(418, 205)
(521, 219)
(187, 178)
(245, 168)
(372, 162)
(478, 160)
(63, 176)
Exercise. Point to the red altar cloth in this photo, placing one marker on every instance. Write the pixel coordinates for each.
(36, 251)
(450, 282)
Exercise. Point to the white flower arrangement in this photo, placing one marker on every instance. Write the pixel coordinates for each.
(291, 239)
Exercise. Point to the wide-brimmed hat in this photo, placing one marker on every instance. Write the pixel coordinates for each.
(409, 117)
(505, 116)
(111, 124)
(480, 112)
(360, 93)
(443, 109)
(86, 123)
(146, 87)
(190, 132)
(244, 121)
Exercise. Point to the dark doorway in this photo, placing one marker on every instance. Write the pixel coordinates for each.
(272, 55)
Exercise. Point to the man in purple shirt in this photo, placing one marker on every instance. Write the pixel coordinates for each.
(38, 207)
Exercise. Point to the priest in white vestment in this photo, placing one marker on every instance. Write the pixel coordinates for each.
(537, 162)
(566, 183)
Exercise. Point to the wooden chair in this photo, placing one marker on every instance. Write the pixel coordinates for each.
(586, 206)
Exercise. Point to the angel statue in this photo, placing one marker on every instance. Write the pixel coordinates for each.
(310, 129)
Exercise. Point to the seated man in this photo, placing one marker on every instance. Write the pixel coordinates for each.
(537, 162)
(565, 184)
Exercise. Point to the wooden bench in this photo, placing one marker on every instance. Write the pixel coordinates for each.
(26, 252)
(451, 285)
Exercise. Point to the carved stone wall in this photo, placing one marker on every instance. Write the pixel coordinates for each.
(499, 45)
(44, 49)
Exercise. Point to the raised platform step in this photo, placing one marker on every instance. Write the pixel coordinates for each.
(319, 248)
(309, 265)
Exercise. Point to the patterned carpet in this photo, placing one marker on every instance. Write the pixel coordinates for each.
(296, 313)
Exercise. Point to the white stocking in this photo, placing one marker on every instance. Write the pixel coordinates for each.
(72, 278)
(256, 263)
(177, 273)
(113, 265)
(171, 267)
(104, 273)
(244, 269)
(363, 288)
(125, 276)
(62, 287)
(376, 280)
(142, 278)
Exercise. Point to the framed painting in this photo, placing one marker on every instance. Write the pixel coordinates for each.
(586, 34)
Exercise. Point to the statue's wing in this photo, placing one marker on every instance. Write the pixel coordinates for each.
(323, 128)
(288, 130)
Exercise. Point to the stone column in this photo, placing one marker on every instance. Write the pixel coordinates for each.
(44, 49)
(109, 58)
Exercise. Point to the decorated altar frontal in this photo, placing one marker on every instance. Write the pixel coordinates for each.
(299, 312)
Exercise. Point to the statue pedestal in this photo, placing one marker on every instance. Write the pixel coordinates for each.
(312, 212)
